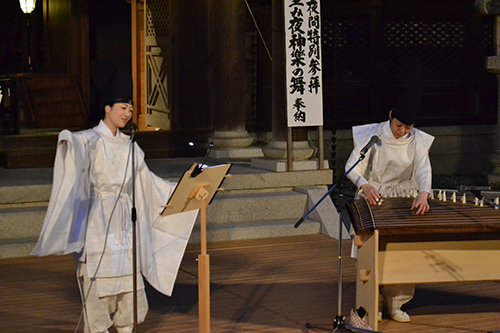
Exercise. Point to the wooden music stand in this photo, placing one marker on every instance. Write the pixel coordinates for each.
(194, 193)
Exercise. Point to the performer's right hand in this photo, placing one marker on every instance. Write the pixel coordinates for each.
(371, 193)
(420, 204)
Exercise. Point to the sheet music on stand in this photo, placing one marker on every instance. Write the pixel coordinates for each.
(210, 179)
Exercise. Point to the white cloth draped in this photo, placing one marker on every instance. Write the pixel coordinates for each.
(395, 167)
(87, 198)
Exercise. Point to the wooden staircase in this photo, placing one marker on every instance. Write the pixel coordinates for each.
(51, 103)
(47, 104)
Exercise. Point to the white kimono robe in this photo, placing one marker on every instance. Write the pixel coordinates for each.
(90, 214)
(393, 166)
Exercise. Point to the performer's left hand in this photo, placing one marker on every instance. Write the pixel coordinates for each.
(420, 203)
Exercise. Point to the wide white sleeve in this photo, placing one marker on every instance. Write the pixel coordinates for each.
(356, 175)
(63, 230)
(163, 238)
(361, 135)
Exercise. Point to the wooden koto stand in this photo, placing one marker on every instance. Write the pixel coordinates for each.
(196, 192)
(420, 259)
(449, 247)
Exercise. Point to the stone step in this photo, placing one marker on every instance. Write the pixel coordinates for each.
(25, 220)
(255, 203)
(20, 194)
(241, 208)
(16, 248)
(21, 222)
(223, 209)
(229, 217)
(34, 185)
(19, 229)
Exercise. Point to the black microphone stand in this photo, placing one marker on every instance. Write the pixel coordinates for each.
(199, 168)
(478, 195)
(134, 232)
(339, 321)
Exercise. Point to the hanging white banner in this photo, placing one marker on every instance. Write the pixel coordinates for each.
(303, 63)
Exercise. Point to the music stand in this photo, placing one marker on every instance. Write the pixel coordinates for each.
(197, 187)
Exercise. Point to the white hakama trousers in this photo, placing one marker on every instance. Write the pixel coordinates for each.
(102, 312)
(395, 296)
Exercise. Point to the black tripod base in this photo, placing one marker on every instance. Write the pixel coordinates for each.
(340, 325)
(338, 322)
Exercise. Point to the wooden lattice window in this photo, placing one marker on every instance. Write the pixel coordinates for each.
(368, 47)
(157, 18)
(158, 49)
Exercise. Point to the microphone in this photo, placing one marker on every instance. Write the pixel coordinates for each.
(370, 143)
(463, 189)
(132, 127)
(199, 168)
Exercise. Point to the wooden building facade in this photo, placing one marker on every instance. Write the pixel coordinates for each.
(191, 58)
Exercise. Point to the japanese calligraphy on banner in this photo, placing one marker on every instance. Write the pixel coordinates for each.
(303, 63)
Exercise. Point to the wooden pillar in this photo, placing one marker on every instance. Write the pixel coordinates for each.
(228, 79)
(229, 64)
(138, 63)
(278, 78)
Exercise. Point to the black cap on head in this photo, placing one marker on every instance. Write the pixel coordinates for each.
(119, 87)
(408, 105)
(111, 82)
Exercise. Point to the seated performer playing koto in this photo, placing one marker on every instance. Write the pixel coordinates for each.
(397, 165)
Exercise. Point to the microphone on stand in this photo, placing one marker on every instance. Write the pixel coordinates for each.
(370, 143)
(132, 127)
(199, 168)
(463, 188)
(374, 139)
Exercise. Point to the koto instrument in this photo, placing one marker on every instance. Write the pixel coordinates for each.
(446, 215)
(457, 240)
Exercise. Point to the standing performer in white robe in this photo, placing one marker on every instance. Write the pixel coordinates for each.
(89, 214)
(396, 166)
